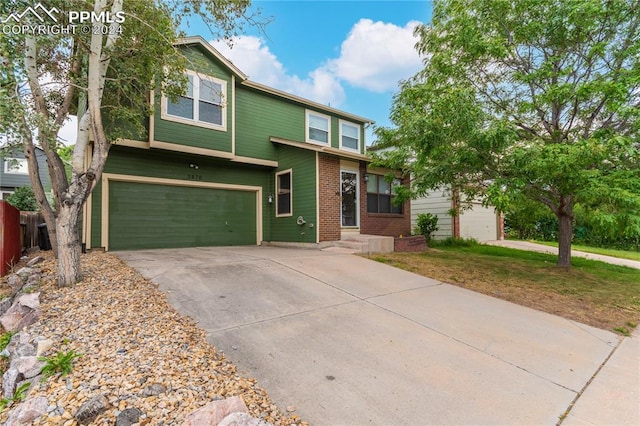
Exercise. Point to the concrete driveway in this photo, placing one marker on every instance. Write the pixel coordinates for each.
(349, 341)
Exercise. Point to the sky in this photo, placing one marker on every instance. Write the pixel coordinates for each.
(349, 55)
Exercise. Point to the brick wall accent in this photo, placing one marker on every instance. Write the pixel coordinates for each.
(329, 197)
(417, 243)
(392, 225)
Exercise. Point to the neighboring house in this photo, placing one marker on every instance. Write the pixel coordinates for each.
(480, 223)
(234, 162)
(14, 172)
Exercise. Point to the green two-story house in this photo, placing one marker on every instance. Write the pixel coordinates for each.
(234, 162)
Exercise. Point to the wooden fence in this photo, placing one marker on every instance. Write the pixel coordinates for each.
(29, 222)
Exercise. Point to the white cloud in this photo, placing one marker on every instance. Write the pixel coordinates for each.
(68, 131)
(376, 55)
(254, 58)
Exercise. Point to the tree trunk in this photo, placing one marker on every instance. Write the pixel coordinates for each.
(69, 271)
(565, 234)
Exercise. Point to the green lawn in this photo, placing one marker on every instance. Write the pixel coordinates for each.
(622, 254)
(592, 292)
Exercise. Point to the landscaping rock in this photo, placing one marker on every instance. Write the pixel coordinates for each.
(35, 261)
(15, 281)
(91, 409)
(27, 412)
(153, 389)
(242, 419)
(31, 300)
(25, 272)
(33, 280)
(24, 311)
(19, 346)
(5, 304)
(43, 346)
(128, 417)
(25, 350)
(215, 411)
(29, 366)
(10, 379)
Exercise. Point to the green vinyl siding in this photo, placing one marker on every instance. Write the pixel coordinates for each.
(335, 132)
(260, 116)
(144, 216)
(175, 165)
(190, 134)
(303, 176)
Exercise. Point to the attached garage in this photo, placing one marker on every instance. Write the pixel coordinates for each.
(147, 213)
(479, 223)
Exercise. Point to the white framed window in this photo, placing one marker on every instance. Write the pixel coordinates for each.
(318, 128)
(284, 193)
(202, 105)
(5, 195)
(17, 166)
(349, 136)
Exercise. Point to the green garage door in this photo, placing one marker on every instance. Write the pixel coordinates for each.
(144, 216)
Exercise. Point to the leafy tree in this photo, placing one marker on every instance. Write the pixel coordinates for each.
(66, 155)
(527, 219)
(23, 199)
(108, 70)
(539, 98)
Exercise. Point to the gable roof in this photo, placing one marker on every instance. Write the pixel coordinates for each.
(244, 80)
(199, 41)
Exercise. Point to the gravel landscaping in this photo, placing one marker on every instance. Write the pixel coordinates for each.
(136, 350)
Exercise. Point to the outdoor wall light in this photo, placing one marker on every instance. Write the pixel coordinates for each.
(194, 166)
(270, 198)
(365, 177)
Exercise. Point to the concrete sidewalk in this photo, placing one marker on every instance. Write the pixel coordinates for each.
(613, 397)
(541, 248)
(349, 341)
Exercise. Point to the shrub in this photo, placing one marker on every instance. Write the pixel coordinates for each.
(23, 199)
(60, 363)
(426, 224)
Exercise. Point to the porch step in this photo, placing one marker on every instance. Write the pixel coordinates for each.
(361, 243)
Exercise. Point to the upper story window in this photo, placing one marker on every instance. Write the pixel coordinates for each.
(349, 136)
(380, 195)
(203, 103)
(318, 128)
(16, 166)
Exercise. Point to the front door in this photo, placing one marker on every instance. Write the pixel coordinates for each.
(349, 192)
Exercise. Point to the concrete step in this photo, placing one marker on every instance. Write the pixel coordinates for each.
(361, 243)
(358, 246)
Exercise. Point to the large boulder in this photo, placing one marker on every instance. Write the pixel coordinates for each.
(10, 379)
(27, 412)
(242, 419)
(215, 411)
(24, 312)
